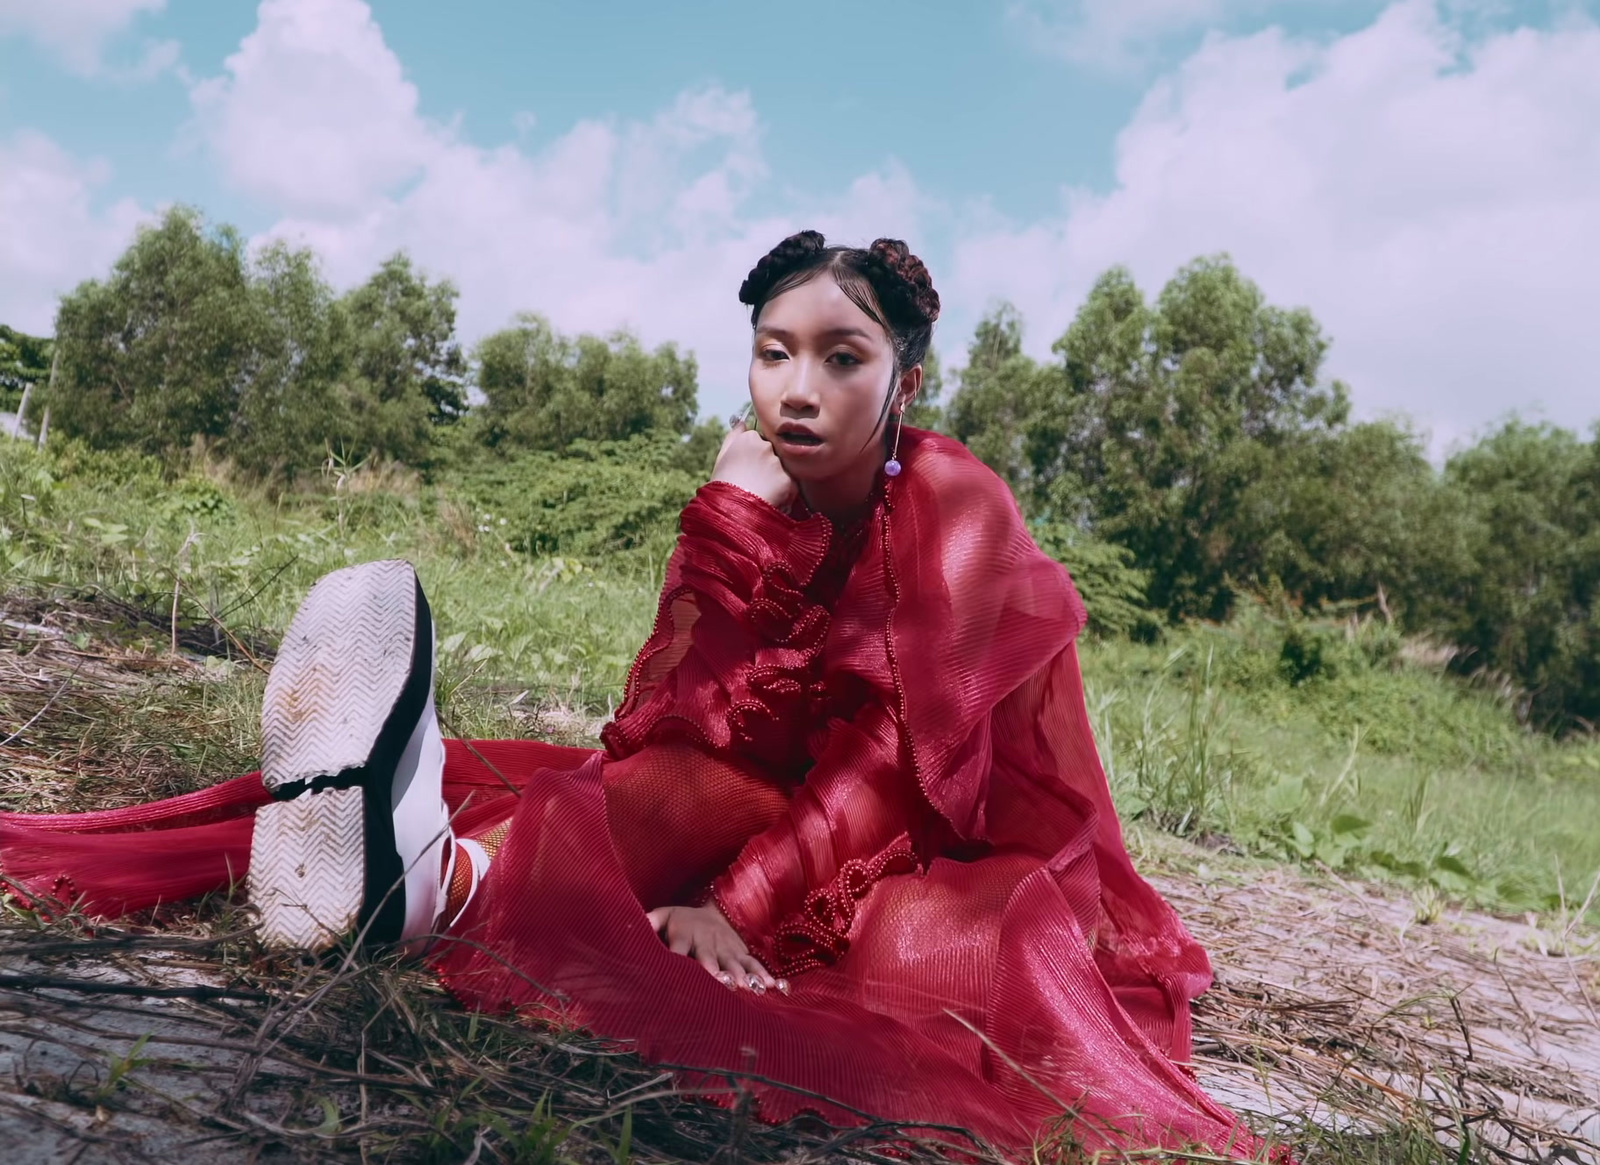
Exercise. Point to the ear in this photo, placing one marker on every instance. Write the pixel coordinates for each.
(910, 384)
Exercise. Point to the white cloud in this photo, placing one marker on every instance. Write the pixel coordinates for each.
(79, 30)
(51, 234)
(1435, 202)
(642, 223)
(313, 113)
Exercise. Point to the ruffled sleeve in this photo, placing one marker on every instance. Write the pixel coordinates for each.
(793, 891)
(732, 662)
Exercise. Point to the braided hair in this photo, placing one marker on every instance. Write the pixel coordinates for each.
(885, 280)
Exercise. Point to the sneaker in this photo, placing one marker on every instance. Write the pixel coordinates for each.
(357, 830)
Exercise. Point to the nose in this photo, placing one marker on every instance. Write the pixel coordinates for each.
(800, 387)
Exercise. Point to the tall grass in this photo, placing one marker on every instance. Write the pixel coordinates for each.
(1373, 764)
(1325, 742)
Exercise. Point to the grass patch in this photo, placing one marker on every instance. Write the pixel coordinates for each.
(1374, 764)
(1309, 741)
(139, 616)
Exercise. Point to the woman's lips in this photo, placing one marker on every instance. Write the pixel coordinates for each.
(798, 440)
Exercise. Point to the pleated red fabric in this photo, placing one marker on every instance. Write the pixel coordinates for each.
(870, 747)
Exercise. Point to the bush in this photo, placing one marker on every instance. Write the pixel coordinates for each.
(1112, 588)
(24, 364)
(599, 499)
(545, 390)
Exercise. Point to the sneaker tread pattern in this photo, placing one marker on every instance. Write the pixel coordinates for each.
(339, 670)
(307, 865)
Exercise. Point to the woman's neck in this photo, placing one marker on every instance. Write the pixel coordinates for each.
(844, 497)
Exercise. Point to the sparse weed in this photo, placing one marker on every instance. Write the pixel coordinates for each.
(1356, 758)
(1334, 746)
(1333, 741)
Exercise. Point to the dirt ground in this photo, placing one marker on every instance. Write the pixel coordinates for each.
(1349, 1005)
(1333, 1002)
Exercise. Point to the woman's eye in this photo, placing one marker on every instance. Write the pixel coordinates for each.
(773, 354)
(846, 358)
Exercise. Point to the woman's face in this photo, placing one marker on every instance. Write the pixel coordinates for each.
(819, 372)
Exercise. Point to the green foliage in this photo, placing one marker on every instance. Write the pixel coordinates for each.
(294, 405)
(1180, 455)
(1162, 420)
(1195, 435)
(1175, 768)
(544, 390)
(24, 363)
(1006, 409)
(407, 370)
(1330, 742)
(75, 519)
(1356, 514)
(1173, 414)
(1112, 588)
(192, 340)
(1523, 596)
(1336, 740)
(926, 410)
(27, 493)
(160, 352)
(599, 498)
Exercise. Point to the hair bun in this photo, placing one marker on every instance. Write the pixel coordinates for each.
(908, 285)
(778, 262)
(886, 281)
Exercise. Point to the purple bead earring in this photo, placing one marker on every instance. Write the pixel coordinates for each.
(891, 467)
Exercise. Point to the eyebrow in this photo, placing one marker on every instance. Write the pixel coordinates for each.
(783, 334)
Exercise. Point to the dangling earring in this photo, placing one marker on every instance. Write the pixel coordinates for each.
(891, 467)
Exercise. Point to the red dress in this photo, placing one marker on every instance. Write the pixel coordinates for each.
(870, 748)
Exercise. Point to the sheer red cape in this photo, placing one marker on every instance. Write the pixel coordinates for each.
(870, 747)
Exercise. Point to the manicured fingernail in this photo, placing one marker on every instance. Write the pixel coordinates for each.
(725, 979)
(757, 985)
(783, 985)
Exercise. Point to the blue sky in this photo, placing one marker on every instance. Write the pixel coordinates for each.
(1425, 176)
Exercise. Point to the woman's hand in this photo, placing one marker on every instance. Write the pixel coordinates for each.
(702, 933)
(749, 461)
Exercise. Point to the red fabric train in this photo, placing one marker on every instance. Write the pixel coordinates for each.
(870, 747)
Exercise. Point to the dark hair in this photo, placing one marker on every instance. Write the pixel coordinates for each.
(885, 280)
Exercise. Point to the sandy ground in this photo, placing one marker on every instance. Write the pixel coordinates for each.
(1334, 1003)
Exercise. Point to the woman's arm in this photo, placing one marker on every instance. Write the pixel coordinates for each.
(792, 892)
(730, 664)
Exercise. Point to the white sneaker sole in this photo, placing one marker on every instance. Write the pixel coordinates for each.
(308, 868)
(340, 672)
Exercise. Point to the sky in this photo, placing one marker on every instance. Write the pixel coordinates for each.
(1423, 175)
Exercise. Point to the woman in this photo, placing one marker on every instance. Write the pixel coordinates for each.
(848, 829)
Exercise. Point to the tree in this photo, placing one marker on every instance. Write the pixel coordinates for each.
(544, 390)
(296, 406)
(925, 410)
(1525, 600)
(1356, 513)
(1001, 410)
(159, 353)
(407, 370)
(24, 364)
(1159, 423)
(1177, 412)
(191, 339)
